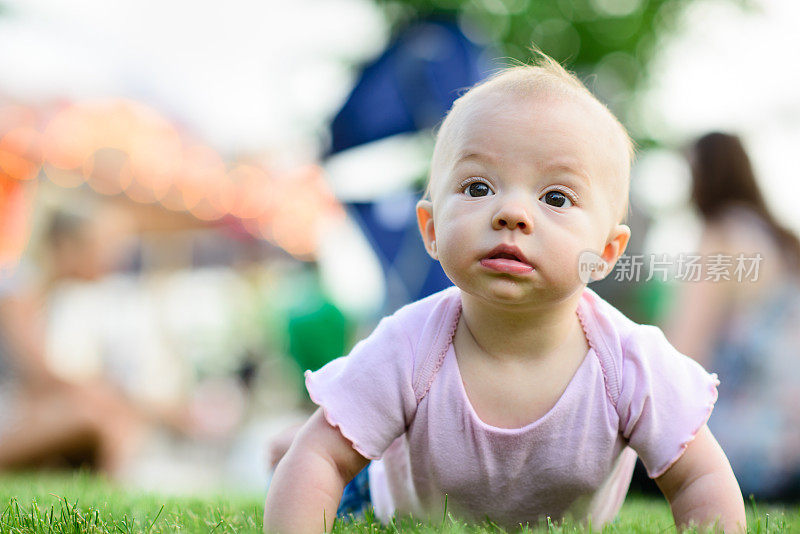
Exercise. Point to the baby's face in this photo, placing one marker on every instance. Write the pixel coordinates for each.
(521, 188)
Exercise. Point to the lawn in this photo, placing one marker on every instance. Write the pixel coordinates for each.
(81, 502)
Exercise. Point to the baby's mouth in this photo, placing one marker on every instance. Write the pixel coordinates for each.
(507, 259)
(505, 256)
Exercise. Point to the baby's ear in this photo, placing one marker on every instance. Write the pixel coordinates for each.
(615, 246)
(426, 229)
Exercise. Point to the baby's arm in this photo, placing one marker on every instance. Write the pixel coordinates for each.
(308, 482)
(701, 488)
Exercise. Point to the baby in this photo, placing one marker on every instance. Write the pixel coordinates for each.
(519, 393)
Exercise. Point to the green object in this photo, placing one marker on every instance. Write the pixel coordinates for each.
(318, 333)
(652, 301)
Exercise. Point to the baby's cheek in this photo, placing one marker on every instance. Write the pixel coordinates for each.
(572, 264)
(567, 261)
(455, 233)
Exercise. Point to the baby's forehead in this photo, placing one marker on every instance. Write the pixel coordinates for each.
(516, 90)
(593, 124)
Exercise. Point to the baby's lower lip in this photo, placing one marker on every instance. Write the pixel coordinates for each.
(505, 265)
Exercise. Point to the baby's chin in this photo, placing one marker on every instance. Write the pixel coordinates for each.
(512, 294)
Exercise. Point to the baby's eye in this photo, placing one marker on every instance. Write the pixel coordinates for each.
(557, 199)
(478, 189)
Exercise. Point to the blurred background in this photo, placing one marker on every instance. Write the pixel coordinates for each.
(199, 201)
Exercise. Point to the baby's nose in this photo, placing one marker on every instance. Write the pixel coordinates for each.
(513, 216)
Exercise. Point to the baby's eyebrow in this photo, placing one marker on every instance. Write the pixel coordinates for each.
(470, 155)
(570, 168)
(566, 165)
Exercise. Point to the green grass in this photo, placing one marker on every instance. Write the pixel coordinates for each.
(81, 502)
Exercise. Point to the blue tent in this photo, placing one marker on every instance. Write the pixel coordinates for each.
(410, 86)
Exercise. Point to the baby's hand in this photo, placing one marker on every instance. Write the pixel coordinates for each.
(701, 488)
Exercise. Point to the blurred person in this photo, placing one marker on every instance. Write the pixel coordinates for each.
(44, 419)
(748, 330)
(518, 393)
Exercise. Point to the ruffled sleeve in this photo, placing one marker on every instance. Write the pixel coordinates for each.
(368, 394)
(665, 398)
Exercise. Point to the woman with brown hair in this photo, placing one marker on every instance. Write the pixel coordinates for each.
(744, 324)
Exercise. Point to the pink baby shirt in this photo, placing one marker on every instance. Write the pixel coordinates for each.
(399, 398)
